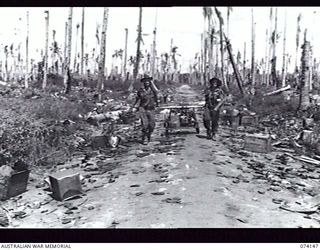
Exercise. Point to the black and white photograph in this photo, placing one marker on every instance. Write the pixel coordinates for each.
(159, 117)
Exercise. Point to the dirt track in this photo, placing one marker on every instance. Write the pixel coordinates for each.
(181, 181)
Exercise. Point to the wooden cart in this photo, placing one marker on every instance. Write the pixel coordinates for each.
(181, 116)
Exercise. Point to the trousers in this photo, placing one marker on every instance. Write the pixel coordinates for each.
(211, 119)
(147, 121)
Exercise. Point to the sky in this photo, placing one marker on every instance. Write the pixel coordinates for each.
(182, 24)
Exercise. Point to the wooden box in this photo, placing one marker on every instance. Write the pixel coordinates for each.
(65, 185)
(16, 184)
(258, 143)
(174, 121)
(249, 120)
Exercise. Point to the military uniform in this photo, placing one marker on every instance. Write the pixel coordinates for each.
(211, 117)
(148, 102)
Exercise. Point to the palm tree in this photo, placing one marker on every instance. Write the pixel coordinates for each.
(304, 101)
(26, 77)
(76, 48)
(44, 84)
(101, 75)
(207, 15)
(221, 46)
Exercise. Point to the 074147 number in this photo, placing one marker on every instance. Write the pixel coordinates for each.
(308, 245)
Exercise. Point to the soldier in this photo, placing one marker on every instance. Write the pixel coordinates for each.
(213, 96)
(147, 98)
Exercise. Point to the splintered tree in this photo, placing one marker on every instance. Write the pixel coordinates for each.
(76, 49)
(253, 68)
(45, 76)
(65, 47)
(82, 43)
(305, 74)
(284, 51)
(67, 80)
(221, 46)
(297, 42)
(274, 57)
(26, 77)
(125, 55)
(154, 52)
(102, 60)
(138, 54)
(270, 44)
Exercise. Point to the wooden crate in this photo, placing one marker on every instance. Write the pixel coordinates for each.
(249, 120)
(65, 185)
(174, 121)
(258, 143)
(16, 184)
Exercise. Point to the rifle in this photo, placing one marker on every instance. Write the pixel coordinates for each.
(221, 103)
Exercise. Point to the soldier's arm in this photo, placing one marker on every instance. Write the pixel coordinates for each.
(136, 100)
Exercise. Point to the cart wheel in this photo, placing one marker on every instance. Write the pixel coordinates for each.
(167, 132)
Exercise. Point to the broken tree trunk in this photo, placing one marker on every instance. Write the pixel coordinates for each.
(26, 77)
(102, 60)
(82, 41)
(136, 66)
(253, 68)
(221, 46)
(67, 80)
(65, 58)
(45, 77)
(297, 42)
(305, 74)
(76, 49)
(244, 61)
(202, 62)
(284, 51)
(278, 91)
(269, 43)
(238, 76)
(274, 58)
(125, 55)
(265, 73)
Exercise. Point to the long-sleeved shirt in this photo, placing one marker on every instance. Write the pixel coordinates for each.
(147, 98)
(213, 97)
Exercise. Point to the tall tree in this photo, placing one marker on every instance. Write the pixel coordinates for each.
(67, 80)
(297, 41)
(101, 75)
(284, 51)
(207, 15)
(202, 82)
(139, 39)
(26, 77)
(76, 49)
(125, 54)
(274, 57)
(305, 68)
(65, 57)
(265, 67)
(229, 10)
(253, 68)
(45, 77)
(221, 46)
(270, 43)
(244, 61)
(82, 42)
(154, 53)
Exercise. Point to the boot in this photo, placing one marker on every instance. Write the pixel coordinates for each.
(144, 141)
(209, 136)
(149, 137)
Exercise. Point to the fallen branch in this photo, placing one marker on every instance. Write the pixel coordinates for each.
(278, 91)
